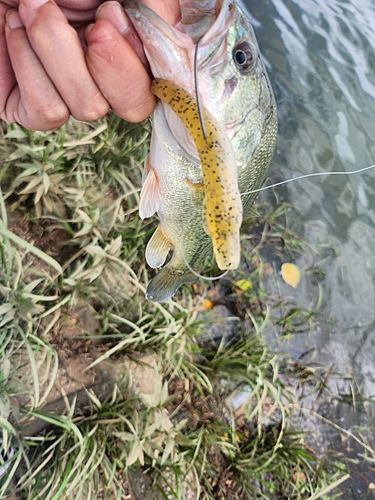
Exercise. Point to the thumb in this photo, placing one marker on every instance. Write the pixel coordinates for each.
(116, 67)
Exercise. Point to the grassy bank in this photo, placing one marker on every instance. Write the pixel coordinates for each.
(71, 240)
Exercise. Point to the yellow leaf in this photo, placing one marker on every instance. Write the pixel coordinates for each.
(244, 285)
(371, 486)
(290, 274)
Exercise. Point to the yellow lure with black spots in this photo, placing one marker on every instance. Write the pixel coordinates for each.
(222, 206)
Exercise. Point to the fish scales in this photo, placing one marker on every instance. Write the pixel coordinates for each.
(222, 206)
(234, 88)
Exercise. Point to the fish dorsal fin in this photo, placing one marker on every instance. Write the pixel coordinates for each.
(150, 195)
(157, 249)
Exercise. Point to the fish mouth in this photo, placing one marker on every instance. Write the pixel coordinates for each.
(171, 49)
(167, 49)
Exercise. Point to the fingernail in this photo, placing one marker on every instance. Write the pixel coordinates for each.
(115, 14)
(13, 19)
(34, 4)
(88, 29)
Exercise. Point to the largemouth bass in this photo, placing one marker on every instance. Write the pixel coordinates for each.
(234, 88)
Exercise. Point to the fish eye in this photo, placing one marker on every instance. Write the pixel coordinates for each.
(244, 56)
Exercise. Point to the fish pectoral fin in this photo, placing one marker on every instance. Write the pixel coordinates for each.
(199, 186)
(150, 194)
(157, 249)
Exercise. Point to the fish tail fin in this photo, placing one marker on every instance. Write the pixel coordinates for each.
(165, 284)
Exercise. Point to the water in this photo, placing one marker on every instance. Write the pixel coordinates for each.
(320, 58)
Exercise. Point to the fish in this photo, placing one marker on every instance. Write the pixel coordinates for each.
(235, 90)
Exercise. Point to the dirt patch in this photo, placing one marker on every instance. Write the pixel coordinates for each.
(44, 235)
(127, 493)
(187, 405)
(199, 410)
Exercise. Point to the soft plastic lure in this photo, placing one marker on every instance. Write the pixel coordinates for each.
(222, 207)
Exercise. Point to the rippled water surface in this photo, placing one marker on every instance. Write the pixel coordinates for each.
(321, 60)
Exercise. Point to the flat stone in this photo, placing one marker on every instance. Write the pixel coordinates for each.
(144, 373)
(221, 324)
(142, 489)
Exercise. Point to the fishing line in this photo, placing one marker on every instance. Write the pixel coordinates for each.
(315, 174)
(207, 278)
(201, 120)
(198, 98)
(203, 128)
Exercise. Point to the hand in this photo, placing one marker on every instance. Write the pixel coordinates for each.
(55, 62)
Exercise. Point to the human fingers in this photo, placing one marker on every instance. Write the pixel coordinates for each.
(7, 77)
(10, 3)
(114, 13)
(116, 61)
(169, 10)
(34, 102)
(74, 10)
(59, 50)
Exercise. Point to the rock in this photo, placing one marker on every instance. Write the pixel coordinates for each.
(142, 489)
(220, 324)
(141, 485)
(144, 372)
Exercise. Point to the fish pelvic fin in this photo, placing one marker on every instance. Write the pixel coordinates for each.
(157, 249)
(150, 194)
(165, 284)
